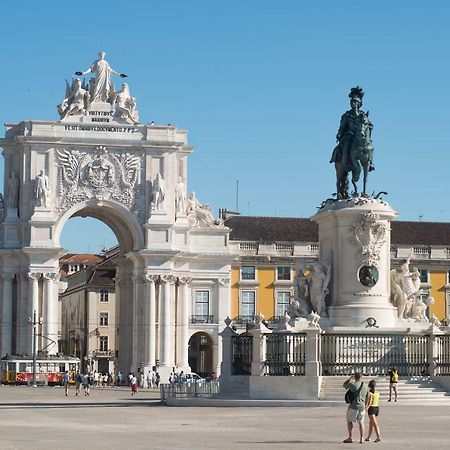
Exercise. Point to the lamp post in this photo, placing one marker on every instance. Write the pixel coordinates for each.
(35, 323)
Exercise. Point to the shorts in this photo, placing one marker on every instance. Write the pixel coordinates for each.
(373, 410)
(353, 415)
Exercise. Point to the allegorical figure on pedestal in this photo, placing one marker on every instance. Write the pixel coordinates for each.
(102, 90)
(180, 198)
(76, 100)
(12, 192)
(158, 193)
(354, 152)
(41, 189)
(125, 105)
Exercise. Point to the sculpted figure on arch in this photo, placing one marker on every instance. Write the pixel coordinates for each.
(354, 151)
(76, 100)
(12, 191)
(102, 90)
(158, 193)
(42, 189)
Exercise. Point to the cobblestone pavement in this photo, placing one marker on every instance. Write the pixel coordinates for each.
(43, 418)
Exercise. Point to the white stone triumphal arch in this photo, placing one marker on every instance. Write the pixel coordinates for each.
(99, 161)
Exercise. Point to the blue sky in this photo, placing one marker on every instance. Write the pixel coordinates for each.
(259, 85)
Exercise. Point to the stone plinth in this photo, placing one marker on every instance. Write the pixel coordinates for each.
(354, 237)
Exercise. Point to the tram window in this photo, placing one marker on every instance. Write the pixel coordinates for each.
(62, 367)
(11, 367)
(29, 367)
(43, 367)
(72, 367)
(22, 367)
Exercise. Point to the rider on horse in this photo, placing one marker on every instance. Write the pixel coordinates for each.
(354, 150)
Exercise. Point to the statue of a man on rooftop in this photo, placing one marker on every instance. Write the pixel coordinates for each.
(354, 152)
(102, 90)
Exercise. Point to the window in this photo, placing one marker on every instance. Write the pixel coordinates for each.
(103, 343)
(423, 275)
(248, 303)
(283, 302)
(201, 303)
(104, 295)
(103, 319)
(284, 273)
(248, 273)
(74, 268)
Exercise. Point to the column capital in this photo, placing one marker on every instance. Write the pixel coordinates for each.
(33, 276)
(184, 280)
(51, 276)
(224, 281)
(151, 278)
(168, 279)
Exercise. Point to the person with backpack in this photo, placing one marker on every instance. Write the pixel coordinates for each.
(373, 409)
(355, 396)
(393, 380)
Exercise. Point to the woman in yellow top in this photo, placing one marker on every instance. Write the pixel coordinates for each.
(373, 409)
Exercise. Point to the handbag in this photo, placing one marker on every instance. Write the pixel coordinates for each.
(350, 395)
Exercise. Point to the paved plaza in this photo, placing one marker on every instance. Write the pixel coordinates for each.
(43, 418)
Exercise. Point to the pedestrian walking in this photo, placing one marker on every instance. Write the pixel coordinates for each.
(134, 384)
(158, 379)
(65, 382)
(149, 379)
(356, 398)
(393, 380)
(86, 384)
(78, 381)
(373, 409)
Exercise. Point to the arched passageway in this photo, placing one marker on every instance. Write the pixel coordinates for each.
(201, 354)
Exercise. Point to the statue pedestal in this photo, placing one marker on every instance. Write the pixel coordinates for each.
(354, 237)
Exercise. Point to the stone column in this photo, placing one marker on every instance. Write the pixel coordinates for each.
(166, 326)
(34, 291)
(151, 319)
(183, 323)
(50, 315)
(6, 338)
(24, 328)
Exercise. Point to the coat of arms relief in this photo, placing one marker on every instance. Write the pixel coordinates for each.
(102, 175)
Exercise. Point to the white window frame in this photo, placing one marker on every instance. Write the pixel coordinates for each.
(241, 298)
(277, 293)
(103, 313)
(101, 341)
(104, 295)
(290, 273)
(248, 279)
(208, 293)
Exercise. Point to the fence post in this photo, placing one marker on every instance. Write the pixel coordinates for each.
(313, 363)
(227, 350)
(432, 350)
(259, 346)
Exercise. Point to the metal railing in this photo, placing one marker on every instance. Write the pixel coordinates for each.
(199, 318)
(443, 355)
(344, 354)
(191, 389)
(244, 319)
(242, 351)
(285, 354)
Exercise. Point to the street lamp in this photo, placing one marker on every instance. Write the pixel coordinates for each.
(35, 323)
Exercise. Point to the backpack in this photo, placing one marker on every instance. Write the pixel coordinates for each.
(351, 396)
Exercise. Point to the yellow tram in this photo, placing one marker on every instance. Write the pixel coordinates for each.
(49, 369)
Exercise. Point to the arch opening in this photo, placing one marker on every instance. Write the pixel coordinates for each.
(200, 354)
